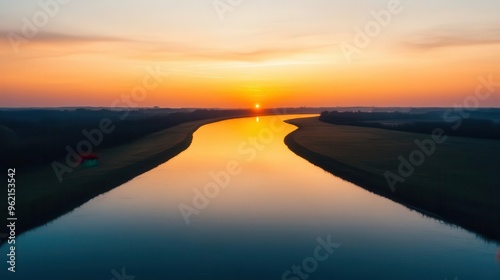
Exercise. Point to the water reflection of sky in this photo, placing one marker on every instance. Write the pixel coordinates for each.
(267, 219)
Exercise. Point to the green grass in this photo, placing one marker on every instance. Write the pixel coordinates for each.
(459, 182)
(40, 197)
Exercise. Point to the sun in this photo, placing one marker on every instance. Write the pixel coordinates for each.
(257, 106)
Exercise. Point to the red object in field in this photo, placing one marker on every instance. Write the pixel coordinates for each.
(88, 157)
(91, 156)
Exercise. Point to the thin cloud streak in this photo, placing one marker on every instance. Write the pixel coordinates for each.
(57, 45)
(53, 37)
(453, 38)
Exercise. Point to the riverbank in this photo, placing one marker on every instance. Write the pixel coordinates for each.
(458, 183)
(41, 198)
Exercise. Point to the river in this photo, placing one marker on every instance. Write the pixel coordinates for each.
(238, 204)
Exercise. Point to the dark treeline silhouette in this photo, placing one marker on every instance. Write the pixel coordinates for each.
(34, 137)
(482, 123)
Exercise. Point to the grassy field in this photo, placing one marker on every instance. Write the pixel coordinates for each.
(459, 182)
(40, 197)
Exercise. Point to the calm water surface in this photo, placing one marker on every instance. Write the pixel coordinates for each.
(267, 219)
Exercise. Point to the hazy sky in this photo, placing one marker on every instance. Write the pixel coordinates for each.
(273, 52)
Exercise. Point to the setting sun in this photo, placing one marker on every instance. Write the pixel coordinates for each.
(257, 106)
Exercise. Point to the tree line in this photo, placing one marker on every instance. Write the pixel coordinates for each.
(479, 124)
(34, 137)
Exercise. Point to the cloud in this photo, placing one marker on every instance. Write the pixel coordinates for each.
(50, 44)
(224, 54)
(439, 38)
(47, 44)
(58, 37)
(53, 37)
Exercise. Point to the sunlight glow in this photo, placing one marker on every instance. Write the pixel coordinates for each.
(87, 61)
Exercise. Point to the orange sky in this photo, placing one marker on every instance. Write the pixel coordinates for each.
(284, 53)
